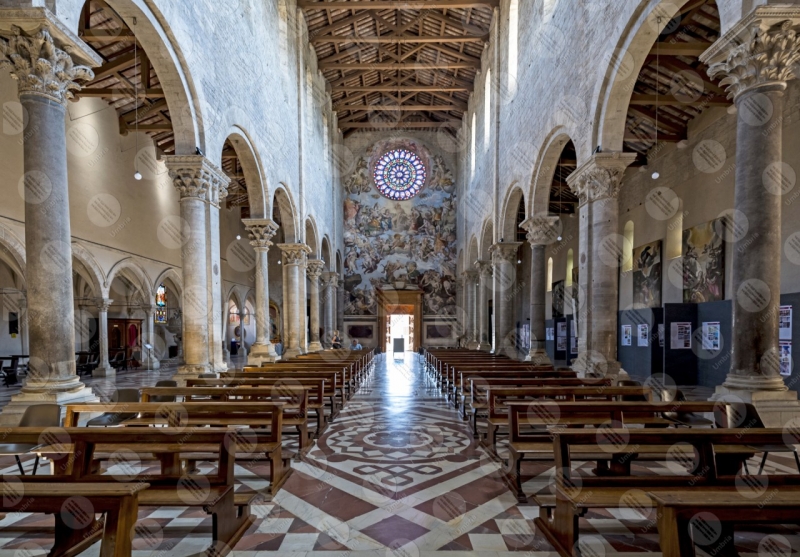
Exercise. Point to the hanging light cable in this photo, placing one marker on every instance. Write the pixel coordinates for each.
(656, 175)
(137, 175)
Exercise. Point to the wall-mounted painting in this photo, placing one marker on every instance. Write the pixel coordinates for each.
(703, 264)
(438, 331)
(558, 298)
(361, 332)
(400, 227)
(647, 275)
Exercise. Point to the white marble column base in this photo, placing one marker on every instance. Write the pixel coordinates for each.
(262, 354)
(538, 357)
(104, 372)
(219, 367)
(473, 345)
(291, 353)
(315, 347)
(484, 346)
(13, 411)
(776, 408)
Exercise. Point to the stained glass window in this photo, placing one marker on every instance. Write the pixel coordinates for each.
(399, 174)
(161, 305)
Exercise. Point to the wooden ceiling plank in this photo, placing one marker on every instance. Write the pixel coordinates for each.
(703, 101)
(395, 125)
(403, 38)
(374, 5)
(401, 89)
(418, 66)
(401, 107)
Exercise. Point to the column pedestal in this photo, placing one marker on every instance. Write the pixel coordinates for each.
(261, 232)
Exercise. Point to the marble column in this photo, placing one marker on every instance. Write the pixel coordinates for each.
(196, 179)
(597, 183)
(104, 368)
(504, 260)
(217, 192)
(330, 281)
(149, 358)
(294, 264)
(756, 59)
(482, 287)
(23, 323)
(471, 280)
(542, 231)
(303, 296)
(313, 272)
(261, 232)
(48, 72)
(340, 298)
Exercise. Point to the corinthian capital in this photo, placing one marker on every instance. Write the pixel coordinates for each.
(294, 254)
(330, 279)
(260, 232)
(505, 253)
(40, 66)
(314, 268)
(472, 277)
(542, 230)
(762, 49)
(483, 268)
(195, 176)
(600, 177)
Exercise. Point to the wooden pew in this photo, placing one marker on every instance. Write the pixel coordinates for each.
(456, 374)
(265, 418)
(714, 456)
(295, 411)
(336, 380)
(79, 453)
(118, 501)
(499, 397)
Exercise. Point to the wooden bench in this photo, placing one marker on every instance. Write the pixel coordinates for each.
(78, 455)
(265, 420)
(714, 457)
(457, 374)
(118, 501)
(335, 382)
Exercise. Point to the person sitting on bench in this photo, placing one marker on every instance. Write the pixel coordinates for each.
(336, 341)
(355, 345)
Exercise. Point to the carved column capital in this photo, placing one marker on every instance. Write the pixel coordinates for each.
(542, 230)
(314, 268)
(294, 254)
(483, 268)
(260, 232)
(42, 66)
(506, 252)
(104, 303)
(194, 176)
(761, 50)
(472, 277)
(600, 177)
(330, 279)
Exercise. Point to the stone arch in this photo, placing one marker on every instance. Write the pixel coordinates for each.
(312, 237)
(508, 225)
(460, 263)
(473, 254)
(614, 94)
(173, 276)
(135, 275)
(339, 262)
(326, 253)
(487, 239)
(284, 209)
(84, 263)
(12, 250)
(544, 171)
(169, 61)
(252, 169)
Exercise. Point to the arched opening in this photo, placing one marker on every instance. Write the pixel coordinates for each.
(487, 110)
(549, 274)
(513, 47)
(472, 153)
(12, 296)
(562, 199)
(569, 267)
(627, 248)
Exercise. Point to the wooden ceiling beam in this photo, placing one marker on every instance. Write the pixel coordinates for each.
(691, 50)
(117, 64)
(121, 92)
(402, 108)
(397, 5)
(420, 65)
(401, 89)
(335, 26)
(395, 125)
(669, 100)
(458, 24)
(106, 36)
(402, 39)
(662, 122)
(669, 138)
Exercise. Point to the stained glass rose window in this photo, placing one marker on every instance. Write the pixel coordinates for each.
(399, 174)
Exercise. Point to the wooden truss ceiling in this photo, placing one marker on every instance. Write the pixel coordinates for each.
(562, 200)
(125, 69)
(673, 87)
(399, 64)
(237, 189)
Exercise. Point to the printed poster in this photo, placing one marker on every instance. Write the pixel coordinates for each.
(561, 344)
(549, 335)
(785, 323)
(574, 345)
(644, 335)
(711, 336)
(681, 336)
(627, 333)
(786, 357)
(574, 328)
(661, 335)
(562, 329)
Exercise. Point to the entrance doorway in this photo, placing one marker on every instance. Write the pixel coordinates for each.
(400, 333)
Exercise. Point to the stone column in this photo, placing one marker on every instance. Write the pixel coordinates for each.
(48, 73)
(217, 192)
(261, 232)
(340, 297)
(196, 179)
(504, 259)
(471, 279)
(303, 298)
(294, 262)
(481, 313)
(756, 58)
(104, 368)
(597, 183)
(313, 272)
(23, 323)
(149, 338)
(330, 282)
(542, 231)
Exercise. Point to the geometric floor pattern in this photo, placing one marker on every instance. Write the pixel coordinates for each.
(396, 474)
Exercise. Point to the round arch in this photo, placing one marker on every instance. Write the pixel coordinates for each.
(12, 250)
(339, 262)
(508, 226)
(487, 239)
(173, 276)
(326, 253)
(543, 173)
(84, 263)
(169, 61)
(473, 253)
(312, 237)
(252, 169)
(284, 206)
(135, 275)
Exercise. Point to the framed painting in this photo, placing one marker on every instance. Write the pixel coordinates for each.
(647, 275)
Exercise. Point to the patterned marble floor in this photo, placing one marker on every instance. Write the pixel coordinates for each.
(396, 474)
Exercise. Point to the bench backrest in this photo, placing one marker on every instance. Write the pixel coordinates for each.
(476, 385)
(296, 397)
(498, 396)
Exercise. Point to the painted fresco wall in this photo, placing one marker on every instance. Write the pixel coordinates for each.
(409, 244)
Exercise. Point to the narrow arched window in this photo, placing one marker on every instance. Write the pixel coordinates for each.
(513, 46)
(627, 248)
(570, 266)
(487, 110)
(472, 149)
(550, 274)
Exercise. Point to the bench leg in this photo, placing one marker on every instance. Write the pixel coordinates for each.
(228, 525)
(491, 436)
(673, 533)
(71, 541)
(119, 527)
